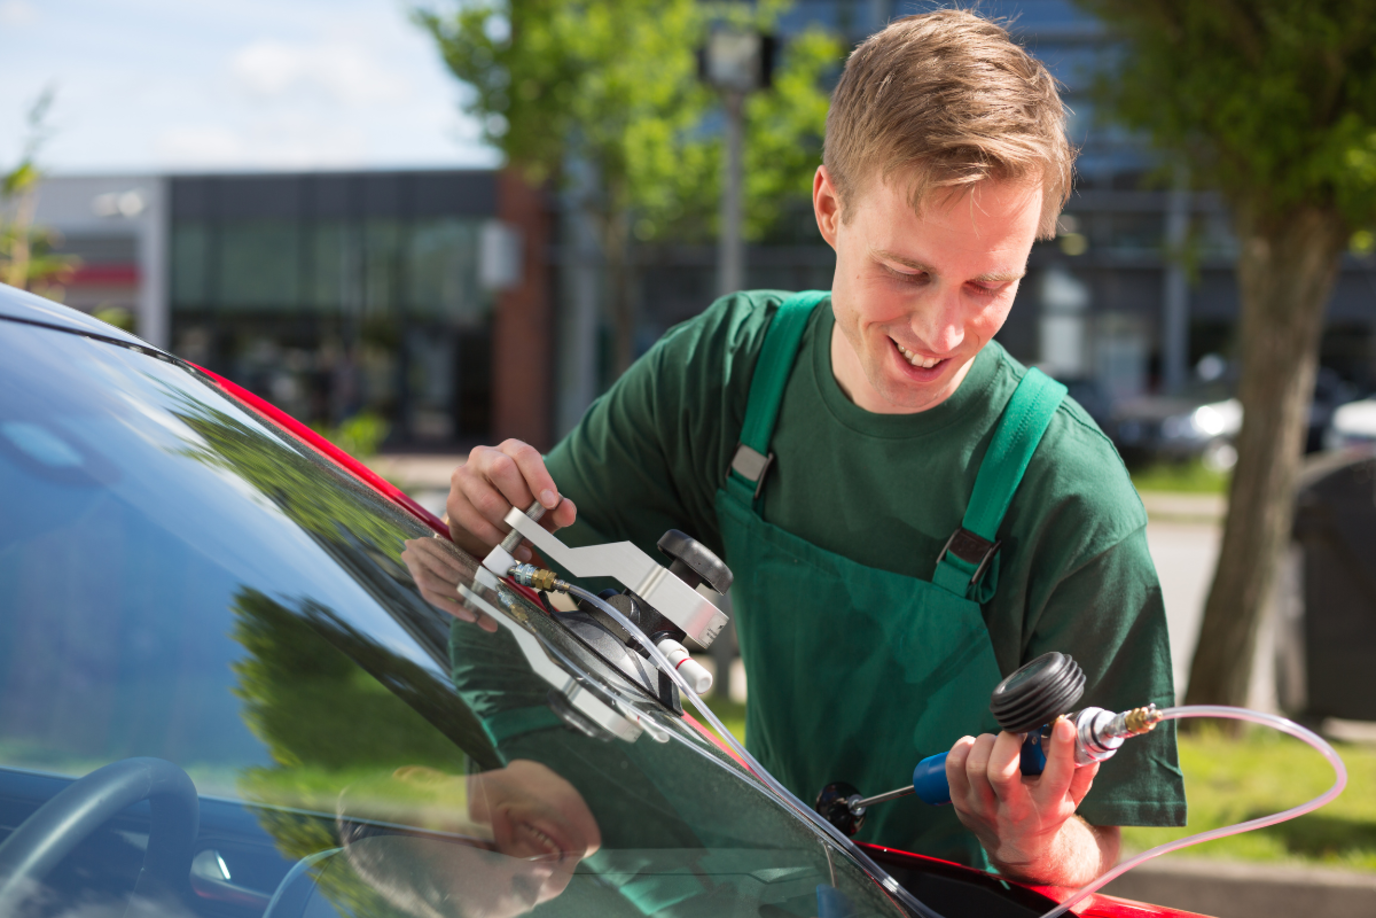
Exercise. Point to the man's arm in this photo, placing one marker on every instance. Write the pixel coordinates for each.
(1028, 824)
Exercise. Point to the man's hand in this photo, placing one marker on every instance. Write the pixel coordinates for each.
(483, 490)
(1028, 823)
(438, 569)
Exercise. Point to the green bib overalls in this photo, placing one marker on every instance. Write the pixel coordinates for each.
(857, 673)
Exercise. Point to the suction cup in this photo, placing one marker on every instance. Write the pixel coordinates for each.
(1037, 693)
(834, 803)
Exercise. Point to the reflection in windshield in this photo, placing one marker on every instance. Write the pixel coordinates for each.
(516, 834)
(209, 591)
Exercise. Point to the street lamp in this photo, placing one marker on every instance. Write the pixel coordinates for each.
(735, 62)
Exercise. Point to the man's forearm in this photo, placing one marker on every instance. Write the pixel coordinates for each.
(1079, 853)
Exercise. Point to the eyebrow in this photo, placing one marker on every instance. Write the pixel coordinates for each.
(1000, 277)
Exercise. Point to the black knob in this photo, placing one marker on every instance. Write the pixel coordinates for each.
(694, 562)
(1037, 693)
(834, 803)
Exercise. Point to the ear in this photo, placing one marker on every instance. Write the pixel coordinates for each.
(826, 205)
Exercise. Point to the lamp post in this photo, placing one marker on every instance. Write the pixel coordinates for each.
(735, 62)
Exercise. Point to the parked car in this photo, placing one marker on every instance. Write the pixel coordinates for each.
(230, 689)
(1196, 424)
(1352, 425)
(1203, 421)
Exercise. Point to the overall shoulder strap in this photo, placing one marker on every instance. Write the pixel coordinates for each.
(964, 563)
(745, 477)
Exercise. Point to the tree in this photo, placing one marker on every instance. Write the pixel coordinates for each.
(604, 94)
(27, 260)
(1273, 103)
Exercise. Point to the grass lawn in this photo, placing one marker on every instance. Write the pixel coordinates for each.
(1190, 477)
(1229, 781)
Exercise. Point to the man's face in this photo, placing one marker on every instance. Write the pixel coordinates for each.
(917, 296)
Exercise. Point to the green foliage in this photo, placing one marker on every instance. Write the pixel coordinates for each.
(314, 706)
(359, 436)
(27, 259)
(117, 316)
(1191, 476)
(613, 86)
(1272, 101)
(731, 713)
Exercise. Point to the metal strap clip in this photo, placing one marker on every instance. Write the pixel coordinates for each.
(752, 466)
(972, 549)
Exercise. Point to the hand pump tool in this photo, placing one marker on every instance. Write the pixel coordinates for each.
(1027, 702)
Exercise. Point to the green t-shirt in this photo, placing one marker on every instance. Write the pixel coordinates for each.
(887, 491)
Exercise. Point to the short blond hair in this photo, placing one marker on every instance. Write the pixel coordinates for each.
(946, 100)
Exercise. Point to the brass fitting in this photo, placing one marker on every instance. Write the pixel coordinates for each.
(536, 577)
(1142, 720)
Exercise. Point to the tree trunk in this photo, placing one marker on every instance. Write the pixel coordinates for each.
(619, 292)
(1286, 272)
(613, 225)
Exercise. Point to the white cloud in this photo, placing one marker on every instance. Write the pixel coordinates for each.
(346, 72)
(17, 13)
(232, 84)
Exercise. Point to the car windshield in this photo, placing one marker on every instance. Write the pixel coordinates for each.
(184, 580)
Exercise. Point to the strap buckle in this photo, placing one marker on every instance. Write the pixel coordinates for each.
(972, 549)
(751, 465)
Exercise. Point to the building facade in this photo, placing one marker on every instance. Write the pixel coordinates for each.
(388, 295)
(463, 306)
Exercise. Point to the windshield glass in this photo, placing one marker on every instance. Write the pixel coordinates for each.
(183, 580)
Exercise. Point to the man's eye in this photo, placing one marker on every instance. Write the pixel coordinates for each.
(981, 290)
(912, 278)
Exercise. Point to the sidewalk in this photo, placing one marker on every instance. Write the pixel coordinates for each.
(1177, 507)
(424, 477)
(1227, 889)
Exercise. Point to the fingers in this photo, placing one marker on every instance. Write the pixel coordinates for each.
(956, 759)
(490, 483)
(564, 515)
(1060, 761)
(1003, 765)
(437, 575)
(1082, 781)
(971, 776)
(535, 479)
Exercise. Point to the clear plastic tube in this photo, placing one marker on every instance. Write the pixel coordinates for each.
(1176, 713)
(811, 815)
(1256, 717)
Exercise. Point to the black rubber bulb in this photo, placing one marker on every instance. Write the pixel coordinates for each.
(1037, 693)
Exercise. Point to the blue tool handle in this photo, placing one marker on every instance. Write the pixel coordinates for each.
(929, 777)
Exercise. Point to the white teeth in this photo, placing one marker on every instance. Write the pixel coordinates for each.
(917, 361)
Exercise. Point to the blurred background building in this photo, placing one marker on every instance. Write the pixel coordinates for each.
(464, 306)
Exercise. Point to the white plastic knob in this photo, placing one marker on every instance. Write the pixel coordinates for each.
(697, 677)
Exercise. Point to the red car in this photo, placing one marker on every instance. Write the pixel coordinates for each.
(242, 676)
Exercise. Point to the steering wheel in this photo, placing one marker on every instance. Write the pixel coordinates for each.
(58, 826)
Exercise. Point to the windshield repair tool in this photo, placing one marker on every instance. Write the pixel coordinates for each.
(1027, 702)
(663, 604)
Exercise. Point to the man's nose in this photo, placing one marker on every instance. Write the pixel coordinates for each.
(940, 322)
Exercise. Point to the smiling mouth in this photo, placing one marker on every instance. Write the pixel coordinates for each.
(917, 360)
(548, 846)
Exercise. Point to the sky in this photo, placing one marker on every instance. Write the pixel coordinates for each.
(234, 85)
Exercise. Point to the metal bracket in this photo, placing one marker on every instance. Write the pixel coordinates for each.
(637, 571)
(972, 549)
(600, 712)
(751, 465)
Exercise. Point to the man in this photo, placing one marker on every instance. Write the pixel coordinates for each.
(910, 513)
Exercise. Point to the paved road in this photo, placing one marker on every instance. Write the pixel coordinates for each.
(1184, 553)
